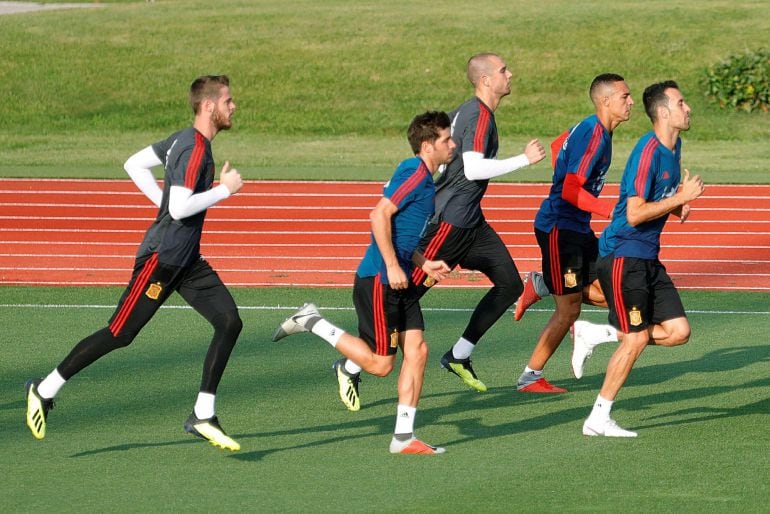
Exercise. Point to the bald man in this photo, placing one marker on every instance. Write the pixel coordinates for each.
(459, 234)
(569, 248)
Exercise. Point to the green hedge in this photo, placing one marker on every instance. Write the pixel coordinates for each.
(741, 82)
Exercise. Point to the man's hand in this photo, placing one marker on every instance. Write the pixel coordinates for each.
(437, 270)
(397, 278)
(230, 178)
(692, 187)
(534, 151)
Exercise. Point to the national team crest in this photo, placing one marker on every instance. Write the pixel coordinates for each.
(153, 292)
(570, 279)
(635, 317)
(394, 339)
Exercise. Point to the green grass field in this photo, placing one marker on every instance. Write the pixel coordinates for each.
(115, 440)
(325, 91)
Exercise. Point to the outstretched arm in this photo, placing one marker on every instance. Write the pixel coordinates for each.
(476, 167)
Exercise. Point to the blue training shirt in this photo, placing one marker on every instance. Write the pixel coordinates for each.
(412, 190)
(587, 151)
(653, 173)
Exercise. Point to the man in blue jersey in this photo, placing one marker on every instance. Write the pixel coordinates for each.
(386, 301)
(169, 260)
(563, 230)
(644, 306)
(459, 234)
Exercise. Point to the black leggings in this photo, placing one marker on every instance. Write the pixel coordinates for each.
(150, 286)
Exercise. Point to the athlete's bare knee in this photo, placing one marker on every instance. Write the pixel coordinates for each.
(681, 335)
(420, 354)
(381, 367)
(677, 331)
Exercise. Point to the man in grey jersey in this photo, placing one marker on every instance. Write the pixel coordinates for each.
(459, 234)
(169, 260)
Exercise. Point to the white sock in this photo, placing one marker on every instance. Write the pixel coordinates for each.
(602, 408)
(204, 405)
(50, 385)
(351, 367)
(539, 285)
(462, 349)
(327, 332)
(405, 419)
(537, 372)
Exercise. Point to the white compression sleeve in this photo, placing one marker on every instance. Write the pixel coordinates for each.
(479, 168)
(182, 203)
(138, 168)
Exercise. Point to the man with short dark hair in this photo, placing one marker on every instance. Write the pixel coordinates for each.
(569, 248)
(644, 305)
(169, 260)
(388, 308)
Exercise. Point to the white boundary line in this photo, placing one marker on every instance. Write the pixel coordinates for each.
(293, 307)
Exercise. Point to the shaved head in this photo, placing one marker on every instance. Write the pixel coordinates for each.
(480, 64)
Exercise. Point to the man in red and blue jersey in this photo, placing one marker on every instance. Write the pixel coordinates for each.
(563, 224)
(169, 260)
(386, 301)
(644, 305)
(459, 234)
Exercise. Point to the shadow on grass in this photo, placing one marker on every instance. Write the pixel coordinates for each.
(472, 428)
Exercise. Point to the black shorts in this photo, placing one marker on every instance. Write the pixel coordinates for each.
(153, 282)
(479, 248)
(639, 293)
(569, 259)
(383, 313)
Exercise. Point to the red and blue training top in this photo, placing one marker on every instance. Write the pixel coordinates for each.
(412, 190)
(585, 153)
(652, 173)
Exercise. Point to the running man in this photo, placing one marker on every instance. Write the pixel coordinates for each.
(644, 305)
(169, 260)
(563, 230)
(388, 308)
(459, 234)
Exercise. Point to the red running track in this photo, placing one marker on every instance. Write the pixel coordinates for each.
(85, 232)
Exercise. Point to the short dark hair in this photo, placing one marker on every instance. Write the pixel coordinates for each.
(426, 127)
(605, 79)
(655, 95)
(206, 87)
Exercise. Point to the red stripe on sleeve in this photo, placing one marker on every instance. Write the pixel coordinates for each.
(194, 164)
(643, 171)
(409, 184)
(482, 124)
(593, 145)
